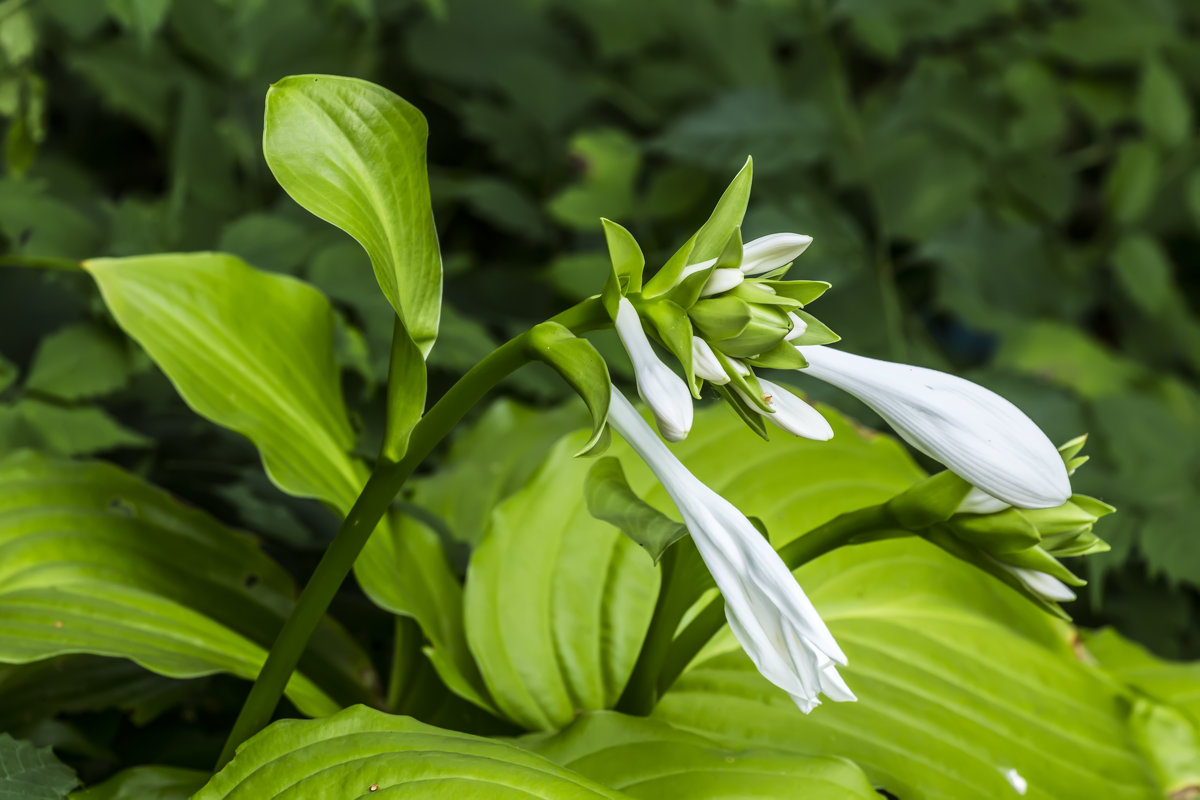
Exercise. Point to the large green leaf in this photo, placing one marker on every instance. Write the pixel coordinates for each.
(1173, 682)
(646, 759)
(958, 678)
(353, 153)
(556, 602)
(251, 351)
(95, 561)
(139, 783)
(360, 752)
(30, 773)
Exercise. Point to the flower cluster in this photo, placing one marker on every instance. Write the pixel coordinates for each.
(723, 310)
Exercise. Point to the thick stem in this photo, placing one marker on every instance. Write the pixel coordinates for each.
(641, 692)
(376, 497)
(855, 527)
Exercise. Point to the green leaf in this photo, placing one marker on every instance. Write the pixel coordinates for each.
(1133, 181)
(249, 350)
(62, 430)
(353, 154)
(139, 783)
(98, 562)
(647, 759)
(1170, 682)
(712, 237)
(609, 498)
(608, 161)
(958, 678)
(1144, 273)
(142, 17)
(31, 773)
(405, 393)
(360, 751)
(79, 361)
(1162, 104)
(556, 602)
(578, 363)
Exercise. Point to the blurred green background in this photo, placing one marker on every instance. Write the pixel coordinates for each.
(1009, 190)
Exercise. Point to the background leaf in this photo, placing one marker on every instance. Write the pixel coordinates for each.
(30, 773)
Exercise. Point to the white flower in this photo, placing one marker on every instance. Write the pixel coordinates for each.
(705, 363)
(665, 392)
(792, 414)
(720, 280)
(1045, 586)
(769, 252)
(767, 610)
(976, 433)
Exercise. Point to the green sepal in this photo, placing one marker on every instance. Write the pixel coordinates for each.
(1067, 517)
(929, 501)
(721, 317)
(1071, 544)
(1003, 532)
(610, 498)
(1036, 558)
(803, 292)
(731, 253)
(766, 329)
(754, 291)
(749, 416)
(1097, 508)
(674, 329)
(747, 383)
(1069, 450)
(712, 237)
(584, 369)
(688, 291)
(944, 539)
(817, 333)
(782, 356)
(627, 266)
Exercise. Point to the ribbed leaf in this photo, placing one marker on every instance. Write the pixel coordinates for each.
(360, 752)
(646, 759)
(251, 351)
(31, 773)
(556, 602)
(353, 153)
(92, 560)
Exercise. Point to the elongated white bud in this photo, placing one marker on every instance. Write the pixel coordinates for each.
(665, 392)
(799, 327)
(774, 250)
(705, 364)
(976, 433)
(721, 280)
(768, 612)
(1045, 586)
(792, 414)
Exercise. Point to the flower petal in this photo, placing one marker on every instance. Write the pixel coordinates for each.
(975, 432)
(774, 250)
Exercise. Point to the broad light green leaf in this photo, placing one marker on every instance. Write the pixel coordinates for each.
(360, 752)
(609, 498)
(353, 154)
(141, 783)
(1176, 683)
(32, 773)
(96, 561)
(79, 361)
(577, 362)
(958, 678)
(646, 759)
(251, 351)
(556, 602)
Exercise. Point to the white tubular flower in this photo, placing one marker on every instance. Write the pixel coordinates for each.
(976, 433)
(792, 414)
(705, 364)
(665, 392)
(1045, 586)
(768, 612)
(769, 252)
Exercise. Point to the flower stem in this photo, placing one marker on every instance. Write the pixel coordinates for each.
(372, 503)
(870, 524)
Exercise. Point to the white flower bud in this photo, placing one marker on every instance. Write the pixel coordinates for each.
(976, 433)
(792, 414)
(799, 327)
(705, 364)
(768, 612)
(772, 251)
(665, 392)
